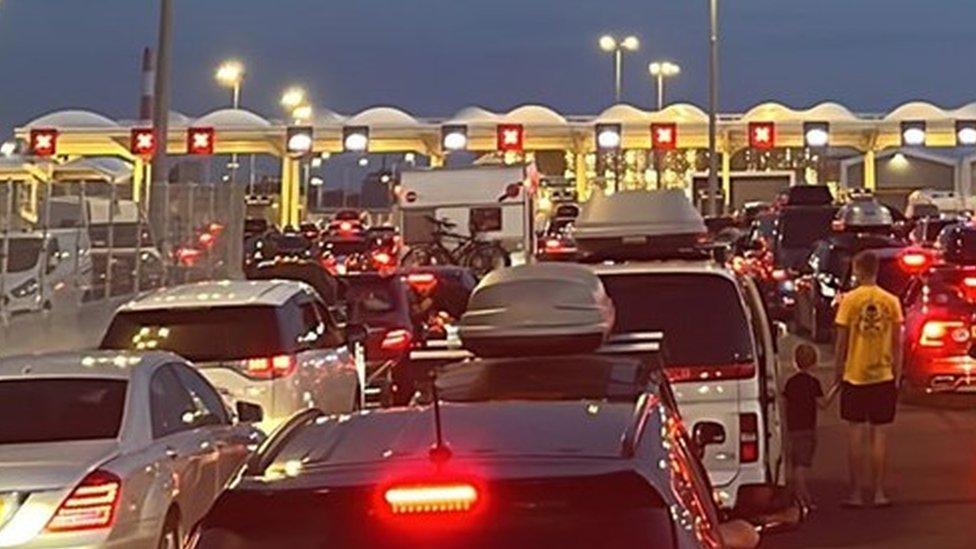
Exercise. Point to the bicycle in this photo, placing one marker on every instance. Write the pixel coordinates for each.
(480, 256)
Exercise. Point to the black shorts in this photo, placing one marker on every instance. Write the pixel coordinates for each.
(873, 403)
(803, 444)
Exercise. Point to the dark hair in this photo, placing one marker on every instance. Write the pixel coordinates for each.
(805, 356)
(866, 265)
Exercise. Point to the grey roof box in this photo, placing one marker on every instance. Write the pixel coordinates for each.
(541, 309)
(864, 212)
(643, 213)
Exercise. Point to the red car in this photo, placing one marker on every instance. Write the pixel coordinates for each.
(940, 319)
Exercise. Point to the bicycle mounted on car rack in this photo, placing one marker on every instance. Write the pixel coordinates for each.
(478, 255)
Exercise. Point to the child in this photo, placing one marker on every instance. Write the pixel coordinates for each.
(803, 396)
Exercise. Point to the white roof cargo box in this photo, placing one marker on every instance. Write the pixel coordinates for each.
(446, 187)
(624, 214)
(546, 308)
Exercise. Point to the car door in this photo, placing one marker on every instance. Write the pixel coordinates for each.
(323, 361)
(182, 447)
(230, 440)
(769, 381)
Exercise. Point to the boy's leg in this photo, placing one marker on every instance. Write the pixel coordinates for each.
(879, 450)
(857, 441)
(800, 479)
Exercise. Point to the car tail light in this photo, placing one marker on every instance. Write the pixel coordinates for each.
(679, 374)
(939, 333)
(206, 239)
(458, 497)
(270, 367)
(779, 275)
(396, 340)
(346, 227)
(383, 259)
(422, 283)
(915, 261)
(748, 438)
(92, 504)
(187, 257)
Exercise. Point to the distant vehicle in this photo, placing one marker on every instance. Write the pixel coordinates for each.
(113, 449)
(828, 276)
(45, 271)
(719, 346)
(520, 447)
(940, 316)
(472, 252)
(255, 226)
(272, 342)
(927, 229)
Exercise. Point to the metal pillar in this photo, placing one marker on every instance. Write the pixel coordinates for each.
(870, 177)
(582, 185)
(713, 107)
(159, 207)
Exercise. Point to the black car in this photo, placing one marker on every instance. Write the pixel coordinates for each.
(828, 275)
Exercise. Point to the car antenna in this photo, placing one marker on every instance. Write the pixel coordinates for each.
(440, 452)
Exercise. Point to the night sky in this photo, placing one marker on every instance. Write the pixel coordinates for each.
(432, 57)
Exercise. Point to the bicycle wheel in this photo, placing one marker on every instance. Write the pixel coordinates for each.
(486, 257)
(425, 255)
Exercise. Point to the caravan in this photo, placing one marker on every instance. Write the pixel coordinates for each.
(44, 270)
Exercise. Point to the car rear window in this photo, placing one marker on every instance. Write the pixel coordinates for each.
(53, 410)
(202, 335)
(701, 316)
(371, 296)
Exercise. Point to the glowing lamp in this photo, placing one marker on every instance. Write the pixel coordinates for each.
(608, 136)
(913, 133)
(966, 133)
(454, 138)
(355, 138)
(816, 134)
(299, 140)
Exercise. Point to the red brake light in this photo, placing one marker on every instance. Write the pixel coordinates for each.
(779, 275)
(422, 283)
(748, 438)
(345, 226)
(92, 504)
(431, 498)
(206, 240)
(678, 374)
(187, 257)
(938, 333)
(383, 259)
(396, 340)
(915, 261)
(270, 368)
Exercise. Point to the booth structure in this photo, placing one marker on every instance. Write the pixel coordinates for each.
(526, 130)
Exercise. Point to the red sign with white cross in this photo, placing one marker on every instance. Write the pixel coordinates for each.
(664, 136)
(142, 142)
(200, 141)
(511, 137)
(43, 141)
(762, 135)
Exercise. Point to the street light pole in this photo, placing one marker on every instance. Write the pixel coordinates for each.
(713, 108)
(612, 45)
(661, 70)
(618, 77)
(160, 116)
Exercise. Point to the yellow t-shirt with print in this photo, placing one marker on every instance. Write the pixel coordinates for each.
(870, 315)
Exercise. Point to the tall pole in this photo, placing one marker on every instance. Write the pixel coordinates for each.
(713, 108)
(160, 117)
(660, 91)
(618, 77)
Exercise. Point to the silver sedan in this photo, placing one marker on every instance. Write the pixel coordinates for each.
(109, 449)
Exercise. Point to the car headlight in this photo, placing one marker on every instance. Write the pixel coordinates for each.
(28, 288)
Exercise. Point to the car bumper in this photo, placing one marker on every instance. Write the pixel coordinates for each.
(138, 535)
(943, 375)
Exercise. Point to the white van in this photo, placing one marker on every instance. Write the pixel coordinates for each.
(719, 349)
(34, 281)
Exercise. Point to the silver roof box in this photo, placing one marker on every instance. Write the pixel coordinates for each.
(864, 212)
(540, 309)
(639, 213)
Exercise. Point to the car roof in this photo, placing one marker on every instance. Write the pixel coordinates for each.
(221, 293)
(86, 364)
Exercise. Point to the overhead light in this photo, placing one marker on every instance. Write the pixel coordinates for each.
(364, 162)
(966, 132)
(316, 181)
(608, 136)
(454, 138)
(9, 148)
(355, 138)
(816, 134)
(299, 140)
(913, 133)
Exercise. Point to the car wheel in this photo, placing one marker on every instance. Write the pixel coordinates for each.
(170, 536)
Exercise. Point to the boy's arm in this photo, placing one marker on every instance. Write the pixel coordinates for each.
(824, 401)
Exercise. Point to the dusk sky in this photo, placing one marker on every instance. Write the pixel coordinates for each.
(432, 57)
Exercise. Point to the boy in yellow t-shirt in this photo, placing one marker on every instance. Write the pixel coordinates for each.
(868, 359)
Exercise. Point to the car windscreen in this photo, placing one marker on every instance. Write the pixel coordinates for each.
(23, 253)
(801, 227)
(371, 297)
(53, 410)
(201, 334)
(701, 316)
(544, 378)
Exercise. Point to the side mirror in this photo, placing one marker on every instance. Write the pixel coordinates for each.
(356, 333)
(248, 412)
(705, 433)
(770, 508)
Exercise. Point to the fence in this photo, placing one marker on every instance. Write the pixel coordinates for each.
(69, 242)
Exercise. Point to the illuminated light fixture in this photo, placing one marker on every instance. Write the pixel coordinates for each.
(966, 132)
(913, 133)
(816, 134)
(200, 141)
(316, 181)
(608, 136)
(511, 137)
(142, 142)
(355, 138)
(293, 97)
(433, 498)
(302, 113)
(43, 141)
(9, 148)
(299, 140)
(762, 135)
(454, 138)
(664, 136)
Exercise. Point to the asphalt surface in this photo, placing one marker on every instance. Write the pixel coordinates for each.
(931, 480)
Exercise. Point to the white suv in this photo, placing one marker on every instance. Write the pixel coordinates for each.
(270, 342)
(720, 357)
